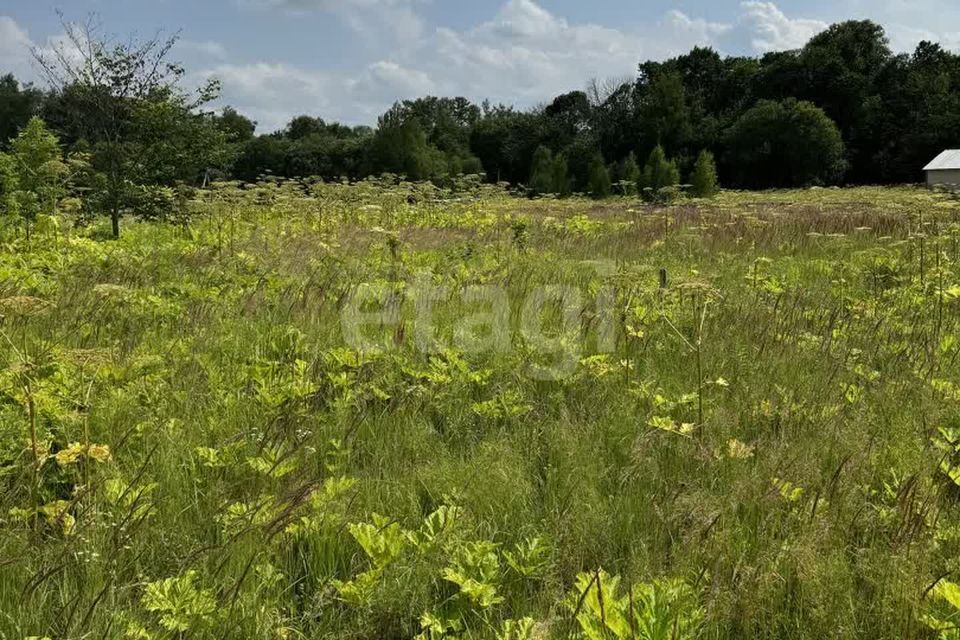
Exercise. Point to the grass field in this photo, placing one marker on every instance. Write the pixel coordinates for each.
(737, 418)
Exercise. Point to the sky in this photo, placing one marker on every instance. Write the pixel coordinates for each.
(349, 60)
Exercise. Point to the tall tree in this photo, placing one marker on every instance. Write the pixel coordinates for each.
(784, 144)
(237, 127)
(303, 126)
(17, 105)
(402, 148)
(616, 122)
(567, 117)
(125, 99)
(841, 65)
(665, 114)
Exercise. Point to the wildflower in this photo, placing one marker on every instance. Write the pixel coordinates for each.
(739, 450)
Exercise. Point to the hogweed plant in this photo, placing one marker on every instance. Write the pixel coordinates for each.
(744, 409)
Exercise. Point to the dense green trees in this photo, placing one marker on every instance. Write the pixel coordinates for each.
(17, 105)
(843, 108)
(784, 144)
(306, 147)
(428, 138)
(236, 126)
(402, 148)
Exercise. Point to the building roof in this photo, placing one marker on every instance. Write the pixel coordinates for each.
(949, 159)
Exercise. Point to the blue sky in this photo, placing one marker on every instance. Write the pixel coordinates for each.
(348, 60)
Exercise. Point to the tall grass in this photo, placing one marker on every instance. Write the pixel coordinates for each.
(767, 452)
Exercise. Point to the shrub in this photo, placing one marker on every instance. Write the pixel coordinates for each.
(560, 175)
(541, 173)
(703, 178)
(630, 175)
(659, 174)
(599, 177)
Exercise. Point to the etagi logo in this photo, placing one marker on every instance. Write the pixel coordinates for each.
(548, 321)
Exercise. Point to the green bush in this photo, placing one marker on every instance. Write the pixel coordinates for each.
(703, 178)
(541, 173)
(659, 174)
(630, 176)
(599, 178)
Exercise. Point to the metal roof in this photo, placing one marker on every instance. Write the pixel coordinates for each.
(949, 159)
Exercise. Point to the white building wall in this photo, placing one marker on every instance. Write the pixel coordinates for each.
(949, 177)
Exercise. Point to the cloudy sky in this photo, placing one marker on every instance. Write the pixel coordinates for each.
(348, 60)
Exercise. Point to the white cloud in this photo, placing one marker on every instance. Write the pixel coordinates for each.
(273, 93)
(17, 50)
(698, 28)
(524, 20)
(370, 18)
(904, 38)
(205, 49)
(772, 30)
(523, 55)
(526, 54)
(389, 78)
(15, 46)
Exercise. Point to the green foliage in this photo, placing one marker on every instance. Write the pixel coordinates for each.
(40, 170)
(475, 569)
(599, 178)
(124, 100)
(184, 404)
(438, 525)
(665, 113)
(17, 105)
(425, 139)
(542, 179)
(560, 175)
(630, 176)
(9, 185)
(945, 613)
(528, 558)
(659, 610)
(785, 144)
(178, 603)
(403, 149)
(237, 127)
(34, 177)
(703, 179)
(382, 540)
(659, 175)
(522, 629)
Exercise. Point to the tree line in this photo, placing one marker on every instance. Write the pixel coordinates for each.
(843, 109)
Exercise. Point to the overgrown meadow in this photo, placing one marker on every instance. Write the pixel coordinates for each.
(759, 436)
